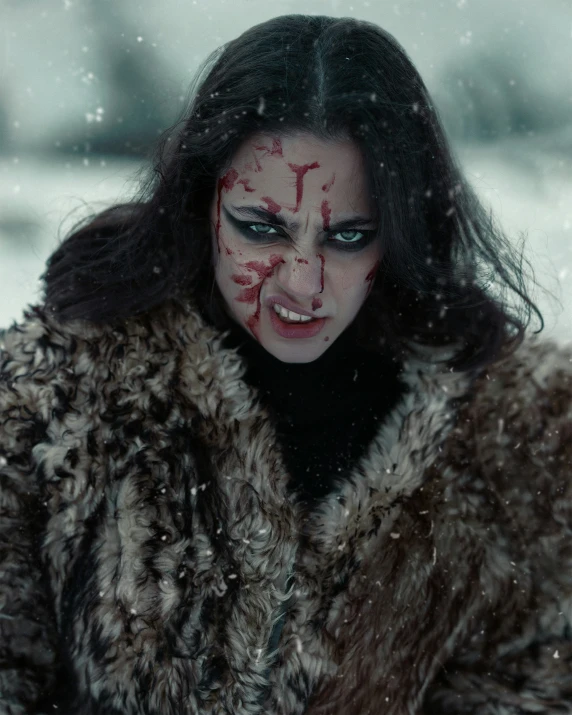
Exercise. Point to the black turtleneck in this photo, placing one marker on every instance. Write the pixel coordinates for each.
(327, 411)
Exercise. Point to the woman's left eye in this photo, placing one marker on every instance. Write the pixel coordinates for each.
(361, 235)
(351, 239)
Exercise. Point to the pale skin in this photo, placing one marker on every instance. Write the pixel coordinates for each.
(313, 186)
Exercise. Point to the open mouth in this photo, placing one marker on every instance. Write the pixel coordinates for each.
(294, 321)
(287, 316)
(288, 327)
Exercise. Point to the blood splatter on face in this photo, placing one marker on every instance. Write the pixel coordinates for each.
(328, 185)
(369, 279)
(252, 294)
(225, 182)
(300, 171)
(275, 150)
(272, 206)
(305, 261)
(326, 213)
(246, 184)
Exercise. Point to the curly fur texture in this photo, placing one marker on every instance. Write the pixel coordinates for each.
(148, 544)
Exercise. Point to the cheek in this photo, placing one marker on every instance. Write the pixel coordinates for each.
(231, 250)
(239, 271)
(353, 280)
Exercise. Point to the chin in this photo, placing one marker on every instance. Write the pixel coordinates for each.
(297, 354)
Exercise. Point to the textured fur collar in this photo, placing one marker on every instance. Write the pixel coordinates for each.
(171, 539)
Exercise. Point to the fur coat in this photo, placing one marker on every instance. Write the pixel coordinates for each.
(152, 562)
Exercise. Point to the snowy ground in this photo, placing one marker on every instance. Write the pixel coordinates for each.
(528, 184)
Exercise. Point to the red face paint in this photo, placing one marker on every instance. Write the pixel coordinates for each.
(262, 269)
(300, 171)
(371, 275)
(301, 260)
(316, 303)
(322, 274)
(251, 295)
(226, 182)
(242, 280)
(326, 213)
(276, 148)
(328, 185)
(246, 184)
(272, 205)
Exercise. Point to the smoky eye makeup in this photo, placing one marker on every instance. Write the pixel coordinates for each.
(247, 229)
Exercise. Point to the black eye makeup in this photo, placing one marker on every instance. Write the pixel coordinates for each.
(352, 239)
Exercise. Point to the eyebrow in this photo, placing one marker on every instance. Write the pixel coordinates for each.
(270, 217)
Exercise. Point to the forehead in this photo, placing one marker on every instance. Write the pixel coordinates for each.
(271, 159)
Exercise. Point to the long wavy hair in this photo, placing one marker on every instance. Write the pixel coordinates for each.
(447, 269)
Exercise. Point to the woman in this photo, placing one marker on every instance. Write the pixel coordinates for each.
(211, 504)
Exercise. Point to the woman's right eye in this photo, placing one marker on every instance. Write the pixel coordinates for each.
(263, 225)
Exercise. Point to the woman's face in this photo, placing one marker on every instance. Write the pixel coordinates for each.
(291, 221)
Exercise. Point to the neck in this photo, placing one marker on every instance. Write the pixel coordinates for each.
(340, 379)
(255, 353)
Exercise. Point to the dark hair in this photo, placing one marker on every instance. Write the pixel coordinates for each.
(446, 265)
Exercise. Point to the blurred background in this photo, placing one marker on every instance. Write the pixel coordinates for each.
(87, 86)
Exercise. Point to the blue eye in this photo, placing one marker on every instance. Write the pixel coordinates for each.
(261, 233)
(361, 238)
(354, 231)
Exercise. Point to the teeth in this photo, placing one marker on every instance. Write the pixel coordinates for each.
(289, 315)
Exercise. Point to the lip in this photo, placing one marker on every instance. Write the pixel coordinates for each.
(285, 303)
(295, 330)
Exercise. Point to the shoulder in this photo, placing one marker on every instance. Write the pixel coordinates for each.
(46, 363)
(518, 432)
(40, 355)
(526, 391)
(535, 367)
(40, 345)
(32, 351)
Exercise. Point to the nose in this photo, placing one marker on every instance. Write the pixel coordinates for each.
(302, 274)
